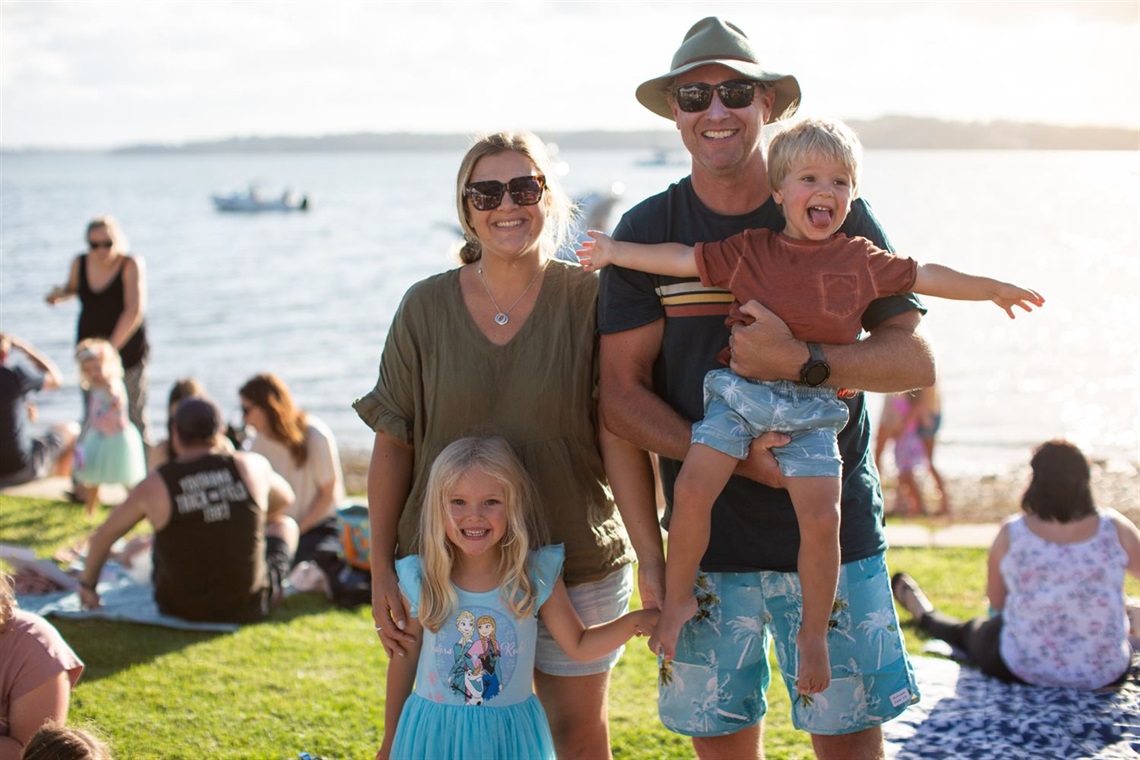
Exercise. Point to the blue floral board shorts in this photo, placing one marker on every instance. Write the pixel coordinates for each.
(716, 683)
(739, 410)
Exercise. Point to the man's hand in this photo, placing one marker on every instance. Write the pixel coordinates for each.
(761, 464)
(664, 638)
(765, 349)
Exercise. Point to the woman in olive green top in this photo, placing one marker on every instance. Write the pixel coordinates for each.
(506, 344)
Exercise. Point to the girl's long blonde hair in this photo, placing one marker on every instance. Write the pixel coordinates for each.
(492, 456)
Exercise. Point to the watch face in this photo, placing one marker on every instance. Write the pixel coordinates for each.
(816, 373)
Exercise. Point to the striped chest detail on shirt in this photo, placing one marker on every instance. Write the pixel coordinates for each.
(688, 298)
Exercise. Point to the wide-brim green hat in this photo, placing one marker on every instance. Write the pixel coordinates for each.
(715, 41)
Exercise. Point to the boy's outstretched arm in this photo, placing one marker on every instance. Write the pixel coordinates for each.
(666, 258)
(944, 282)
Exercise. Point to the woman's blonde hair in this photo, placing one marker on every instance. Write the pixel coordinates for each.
(114, 231)
(103, 352)
(288, 423)
(558, 207)
(828, 138)
(492, 456)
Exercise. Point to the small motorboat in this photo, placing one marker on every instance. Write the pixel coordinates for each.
(253, 199)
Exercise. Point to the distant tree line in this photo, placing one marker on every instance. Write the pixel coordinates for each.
(888, 132)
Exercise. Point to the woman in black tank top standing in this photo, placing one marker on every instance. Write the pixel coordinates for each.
(111, 286)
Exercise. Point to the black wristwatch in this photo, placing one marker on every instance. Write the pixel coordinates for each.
(816, 370)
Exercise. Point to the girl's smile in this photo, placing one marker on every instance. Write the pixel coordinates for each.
(478, 513)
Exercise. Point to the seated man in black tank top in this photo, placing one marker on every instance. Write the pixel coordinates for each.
(223, 543)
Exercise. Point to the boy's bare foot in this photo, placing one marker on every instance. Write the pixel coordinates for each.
(910, 596)
(813, 674)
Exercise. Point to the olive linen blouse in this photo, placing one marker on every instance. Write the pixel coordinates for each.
(441, 379)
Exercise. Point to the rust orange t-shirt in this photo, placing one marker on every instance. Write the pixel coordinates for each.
(819, 288)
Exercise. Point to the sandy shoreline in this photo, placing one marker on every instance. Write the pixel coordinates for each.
(974, 498)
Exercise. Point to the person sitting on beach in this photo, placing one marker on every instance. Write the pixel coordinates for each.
(38, 670)
(24, 458)
(163, 451)
(303, 449)
(1055, 583)
(223, 541)
(819, 282)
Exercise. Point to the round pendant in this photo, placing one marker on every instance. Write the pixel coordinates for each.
(501, 318)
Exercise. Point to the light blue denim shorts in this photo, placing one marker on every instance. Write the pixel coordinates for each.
(739, 410)
(717, 682)
(597, 602)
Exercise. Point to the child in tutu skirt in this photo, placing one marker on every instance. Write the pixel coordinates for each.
(476, 591)
(111, 447)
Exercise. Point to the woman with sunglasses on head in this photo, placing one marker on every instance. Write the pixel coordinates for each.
(302, 450)
(111, 285)
(505, 344)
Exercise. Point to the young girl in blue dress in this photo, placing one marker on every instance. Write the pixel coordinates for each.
(112, 448)
(475, 594)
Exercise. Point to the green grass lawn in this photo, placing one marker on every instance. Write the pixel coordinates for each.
(312, 677)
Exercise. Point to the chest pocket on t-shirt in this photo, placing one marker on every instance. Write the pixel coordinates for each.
(840, 294)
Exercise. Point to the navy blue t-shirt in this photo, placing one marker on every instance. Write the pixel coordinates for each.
(753, 526)
(15, 439)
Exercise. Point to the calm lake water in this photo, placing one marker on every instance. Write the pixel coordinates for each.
(310, 296)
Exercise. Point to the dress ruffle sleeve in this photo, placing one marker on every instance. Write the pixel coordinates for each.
(545, 570)
(410, 573)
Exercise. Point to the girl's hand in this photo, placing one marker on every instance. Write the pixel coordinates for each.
(390, 616)
(595, 254)
(1008, 295)
(644, 621)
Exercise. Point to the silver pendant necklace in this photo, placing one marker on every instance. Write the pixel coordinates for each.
(502, 315)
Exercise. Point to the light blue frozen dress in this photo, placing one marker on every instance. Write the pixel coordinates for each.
(474, 695)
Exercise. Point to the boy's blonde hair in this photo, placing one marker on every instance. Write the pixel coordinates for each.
(494, 457)
(828, 138)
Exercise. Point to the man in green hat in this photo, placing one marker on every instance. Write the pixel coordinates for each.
(660, 335)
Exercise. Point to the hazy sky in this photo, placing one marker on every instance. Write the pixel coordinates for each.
(97, 73)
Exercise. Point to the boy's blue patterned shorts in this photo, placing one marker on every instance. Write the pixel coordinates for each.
(738, 410)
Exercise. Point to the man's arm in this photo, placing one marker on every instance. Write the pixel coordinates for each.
(895, 357)
(53, 378)
(630, 475)
(125, 516)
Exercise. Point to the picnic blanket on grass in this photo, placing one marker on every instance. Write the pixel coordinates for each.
(964, 714)
(123, 598)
